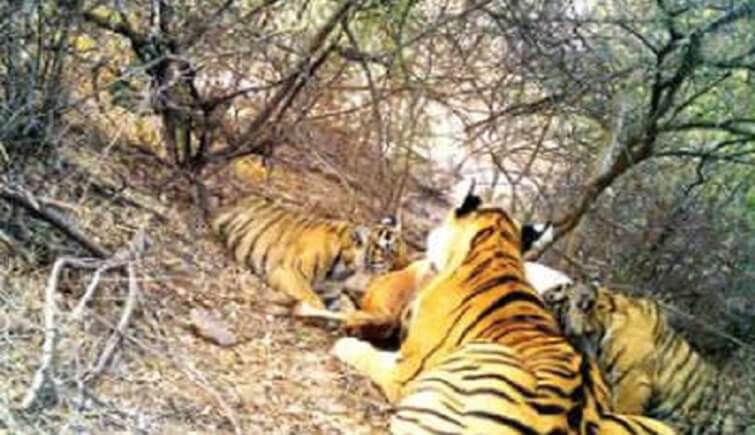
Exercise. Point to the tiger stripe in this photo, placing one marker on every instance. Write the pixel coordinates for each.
(298, 253)
(482, 354)
(651, 369)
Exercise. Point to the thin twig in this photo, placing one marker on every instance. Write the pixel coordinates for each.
(78, 312)
(120, 330)
(189, 373)
(197, 378)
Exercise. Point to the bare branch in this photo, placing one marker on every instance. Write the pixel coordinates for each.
(120, 330)
(291, 84)
(116, 25)
(51, 216)
(42, 390)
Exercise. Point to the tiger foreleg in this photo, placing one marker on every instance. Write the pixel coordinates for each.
(632, 395)
(294, 284)
(307, 311)
(379, 366)
(370, 325)
(365, 324)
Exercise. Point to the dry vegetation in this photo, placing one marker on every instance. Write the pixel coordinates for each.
(123, 124)
(275, 376)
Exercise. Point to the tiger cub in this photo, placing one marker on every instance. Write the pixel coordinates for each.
(482, 354)
(300, 254)
(650, 368)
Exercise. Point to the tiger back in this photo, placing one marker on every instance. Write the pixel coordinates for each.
(483, 355)
(650, 368)
(299, 253)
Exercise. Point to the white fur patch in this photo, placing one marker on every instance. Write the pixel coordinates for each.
(437, 247)
(349, 349)
(303, 309)
(546, 235)
(543, 278)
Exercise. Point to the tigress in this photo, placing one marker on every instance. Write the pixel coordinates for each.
(482, 354)
(650, 368)
(300, 254)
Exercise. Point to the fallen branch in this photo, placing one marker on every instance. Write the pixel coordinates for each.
(135, 250)
(27, 201)
(78, 312)
(43, 390)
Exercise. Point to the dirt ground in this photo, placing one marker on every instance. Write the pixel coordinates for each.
(279, 378)
(162, 377)
(134, 360)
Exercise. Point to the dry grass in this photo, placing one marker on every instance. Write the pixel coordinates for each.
(163, 378)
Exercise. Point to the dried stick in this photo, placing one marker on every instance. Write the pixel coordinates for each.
(89, 293)
(197, 378)
(120, 330)
(43, 378)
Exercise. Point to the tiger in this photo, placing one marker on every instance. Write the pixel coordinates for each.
(482, 353)
(650, 368)
(300, 254)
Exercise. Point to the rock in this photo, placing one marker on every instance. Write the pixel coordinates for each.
(207, 326)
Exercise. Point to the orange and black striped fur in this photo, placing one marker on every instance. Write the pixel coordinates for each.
(386, 300)
(301, 254)
(650, 368)
(482, 354)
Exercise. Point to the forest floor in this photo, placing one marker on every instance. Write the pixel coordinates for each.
(137, 357)
(275, 375)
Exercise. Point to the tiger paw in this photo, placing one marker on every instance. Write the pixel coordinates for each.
(303, 309)
(350, 350)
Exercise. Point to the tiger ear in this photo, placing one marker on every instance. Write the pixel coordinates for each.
(536, 235)
(471, 202)
(391, 221)
(361, 235)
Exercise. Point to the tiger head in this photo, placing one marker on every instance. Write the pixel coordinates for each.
(384, 248)
(585, 310)
(476, 251)
(450, 242)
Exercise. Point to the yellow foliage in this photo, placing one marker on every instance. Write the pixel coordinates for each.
(147, 132)
(83, 43)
